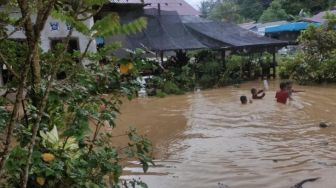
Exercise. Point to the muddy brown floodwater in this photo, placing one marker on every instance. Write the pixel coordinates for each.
(208, 139)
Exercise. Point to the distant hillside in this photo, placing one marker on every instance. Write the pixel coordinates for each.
(239, 11)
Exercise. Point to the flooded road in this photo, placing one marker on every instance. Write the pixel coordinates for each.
(208, 139)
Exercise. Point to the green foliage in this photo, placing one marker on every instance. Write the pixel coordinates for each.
(109, 25)
(251, 10)
(293, 7)
(75, 115)
(287, 66)
(170, 87)
(14, 51)
(160, 93)
(206, 7)
(207, 69)
(204, 70)
(208, 73)
(262, 10)
(226, 11)
(232, 73)
(81, 161)
(316, 62)
(331, 20)
(274, 13)
(318, 43)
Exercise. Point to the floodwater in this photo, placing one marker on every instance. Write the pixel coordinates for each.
(208, 139)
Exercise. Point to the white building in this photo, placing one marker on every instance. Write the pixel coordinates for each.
(54, 31)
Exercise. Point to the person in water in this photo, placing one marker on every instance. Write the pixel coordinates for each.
(289, 86)
(243, 99)
(282, 95)
(257, 94)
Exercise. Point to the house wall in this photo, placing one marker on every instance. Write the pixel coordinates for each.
(290, 36)
(48, 34)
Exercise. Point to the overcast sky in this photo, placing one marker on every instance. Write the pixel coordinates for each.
(194, 3)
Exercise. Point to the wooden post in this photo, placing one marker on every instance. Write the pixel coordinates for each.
(161, 57)
(160, 53)
(274, 64)
(262, 64)
(249, 67)
(223, 60)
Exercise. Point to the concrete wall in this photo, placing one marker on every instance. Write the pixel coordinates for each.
(48, 34)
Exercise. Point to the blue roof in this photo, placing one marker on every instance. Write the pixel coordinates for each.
(296, 26)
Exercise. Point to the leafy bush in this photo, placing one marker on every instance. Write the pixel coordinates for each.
(208, 69)
(170, 87)
(232, 73)
(288, 66)
(185, 77)
(316, 61)
(160, 93)
(64, 137)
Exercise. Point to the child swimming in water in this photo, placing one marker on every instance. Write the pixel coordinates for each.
(282, 95)
(243, 99)
(257, 94)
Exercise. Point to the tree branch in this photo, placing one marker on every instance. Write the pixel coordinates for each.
(91, 15)
(14, 116)
(41, 109)
(85, 51)
(18, 24)
(80, 60)
(33, 48)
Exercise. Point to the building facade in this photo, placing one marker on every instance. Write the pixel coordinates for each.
(55, 30)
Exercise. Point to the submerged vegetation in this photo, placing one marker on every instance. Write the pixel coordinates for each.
(203, 69)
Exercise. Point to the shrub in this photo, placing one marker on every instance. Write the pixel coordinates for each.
(208, 73)
(288, 66)
(64, 137)
(232, 73)
(316, 61)
(170, 87)
(160, 93)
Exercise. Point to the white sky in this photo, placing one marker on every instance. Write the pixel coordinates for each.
(194, 3)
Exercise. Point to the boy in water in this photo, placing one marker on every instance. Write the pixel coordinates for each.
(257, 94)
(282, 95)
(243, 99)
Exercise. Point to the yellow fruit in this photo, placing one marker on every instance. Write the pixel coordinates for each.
(130, 66)
(40, 180)
(123, 69)
(47, 157)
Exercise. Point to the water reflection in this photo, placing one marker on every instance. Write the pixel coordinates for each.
(213, 141)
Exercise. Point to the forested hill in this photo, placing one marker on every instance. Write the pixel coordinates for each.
(239, 11)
